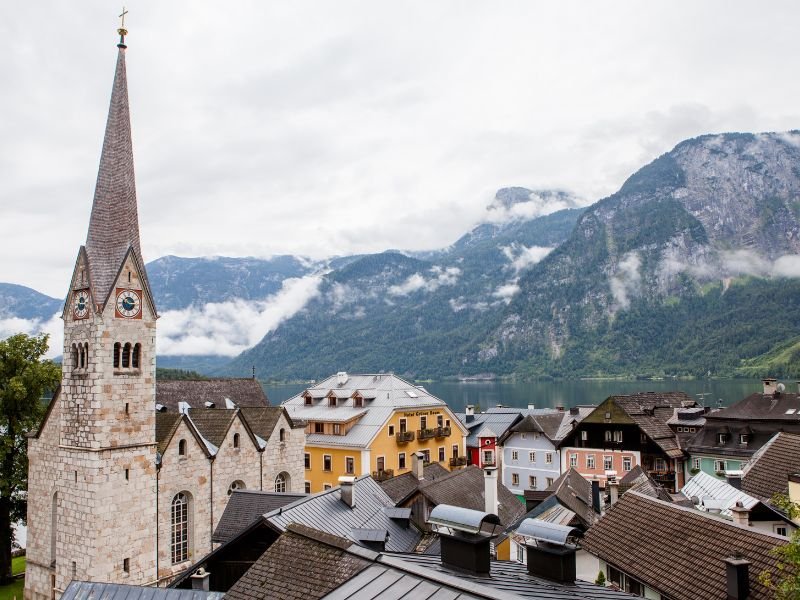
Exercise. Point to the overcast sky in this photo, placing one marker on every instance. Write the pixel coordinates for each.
(322, 128)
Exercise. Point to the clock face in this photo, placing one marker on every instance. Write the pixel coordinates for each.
(129, 303)
(80, 304)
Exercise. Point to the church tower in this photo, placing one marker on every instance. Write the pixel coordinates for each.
(104, 493)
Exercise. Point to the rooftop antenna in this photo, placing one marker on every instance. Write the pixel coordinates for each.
(254, 371)
(703, 398)
(122, 31)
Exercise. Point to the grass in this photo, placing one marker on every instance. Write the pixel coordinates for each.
(9, 592)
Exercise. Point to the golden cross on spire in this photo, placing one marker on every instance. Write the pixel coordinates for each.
(122, 31)
(122, 16)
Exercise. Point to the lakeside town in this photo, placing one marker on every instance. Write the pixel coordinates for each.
(365, 485)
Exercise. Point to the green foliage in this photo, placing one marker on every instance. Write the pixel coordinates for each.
(173, 374)
(13, 590)
(24, 379)
(601, 579)
(785, 581)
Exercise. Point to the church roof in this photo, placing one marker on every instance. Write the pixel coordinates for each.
(85, 590)
(212, 423)
(197, 392)
(245, 507)
(262, 420)
(114, 224)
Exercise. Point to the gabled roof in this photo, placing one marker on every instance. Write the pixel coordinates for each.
(762, 407)
(574, 492)
(489, 424)
(212, 423)
(400, 487)
(638, 480)
(196, 392)
(327, 512)
(716, 494)
(245, 507)
(85, 590)
(166, 425)
(465, 488)
(263, 420)
(679, 551)
(767, 473)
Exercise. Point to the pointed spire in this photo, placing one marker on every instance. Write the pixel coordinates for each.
(114, 224)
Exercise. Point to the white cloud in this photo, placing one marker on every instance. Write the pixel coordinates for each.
(787, 266)
(625, 283)
(539, 204)
(521, 257)
(417, 282)
(507, 291)
(228, 328)
(54, 327)
(734, 263)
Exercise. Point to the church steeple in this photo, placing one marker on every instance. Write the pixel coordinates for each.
(114, 224)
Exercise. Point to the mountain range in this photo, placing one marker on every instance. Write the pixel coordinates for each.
(692, 267)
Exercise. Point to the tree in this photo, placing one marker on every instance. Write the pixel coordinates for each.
(601, 579)
(785, 583)
(24, 378)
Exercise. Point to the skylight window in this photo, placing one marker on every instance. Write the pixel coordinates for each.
(411, 394)
(791, 411)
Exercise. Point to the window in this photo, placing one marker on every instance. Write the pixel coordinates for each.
(584, 435)
(423, 422)
(626, 463)
(326, 486)
(691, 429)
(660, 464)
(137, 356)
(307, 487)
(76, 361)
(548, 458)
(319, 427)
(608, 463)
(642, 438)
(282, 435)
(719, 466)
(590, 461)
(126, 356)
(326, 462)
(182, 448)
(618, 435)
(441, 454)
(488, 457)
(426, 456)
(532, 482)
(337, 429)
(282, 482)
(117, 354)
(236, 485)
(401, 460)
(608, 435)
(532, 457)
(549, 481)
(743, 438)
(358, 402)
(391, 430)
(722, 438)
(455, 450)
(308, 401)
(696, 463)
(439, 421)
(403, 425)
(520, 553)
(332, 401)
(235, 440)
(127, 474)
(349, 465)
(179, 520)
(126, 565)
(514, 455)
(573, 460)
(447, 422)
(380, 463)
(515, 479)
(781, 530)
(308, 460)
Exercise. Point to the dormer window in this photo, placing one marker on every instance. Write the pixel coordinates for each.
(722, 438)
(319, 427)
(332, 401)
(308, 400)
(358, 402)
(743, 438)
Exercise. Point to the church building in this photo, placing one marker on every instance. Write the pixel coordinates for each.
(126, 483)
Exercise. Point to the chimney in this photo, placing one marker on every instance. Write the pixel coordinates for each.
(798, 386)
(417, 465)
(551, 561)
(200, 580)
(469, 413)
(574, 410)
(341, 377)
(532, 406)
(734, 479)
(490, 490)
(613, 492)
(737, 571)
(347, 490)
(560, 408)
(596, 496)
(466, 537)
(770, 386)
(741, 515)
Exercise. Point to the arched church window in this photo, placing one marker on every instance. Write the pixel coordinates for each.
(86, 354)
(117, 353)
(126, 356)
(236, 485)
(53, 527)
(283, 435)
(75, 357)
(137, 356)
(282, 482)
(182, 448)
(179, 520)
(235, 440)
(81, 357)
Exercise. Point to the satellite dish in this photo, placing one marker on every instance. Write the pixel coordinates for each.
(780, 388)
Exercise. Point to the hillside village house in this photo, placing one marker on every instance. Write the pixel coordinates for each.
(732, 435)
(121, 490)
(625, 431)
(371, 425)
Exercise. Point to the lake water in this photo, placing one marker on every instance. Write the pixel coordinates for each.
(549, 394)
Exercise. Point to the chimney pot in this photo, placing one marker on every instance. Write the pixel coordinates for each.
(347, 489)
(596, 496)
(574, 410)
(770, 386)
(418, 465)
(741, 515)
(737, 571)
(490, 490)
(200, 580)
(613, 492)
(556, 563)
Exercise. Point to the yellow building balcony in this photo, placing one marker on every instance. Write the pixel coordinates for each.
(426, 434)
(403, 437)
(442, 432)
(458, 461)
(383, 474)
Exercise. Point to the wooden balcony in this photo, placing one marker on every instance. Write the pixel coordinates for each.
(383, 475)
(403, 437)
(426, 434)
(442, 432)
(458, 461)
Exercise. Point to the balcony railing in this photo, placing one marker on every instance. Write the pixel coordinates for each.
(404, 437)
(425, 434)
(489, 463)
(442, 432)
(383, 474)
(458, 461)
(663, 476)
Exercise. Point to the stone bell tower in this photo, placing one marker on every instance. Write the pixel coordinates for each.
(104, 493)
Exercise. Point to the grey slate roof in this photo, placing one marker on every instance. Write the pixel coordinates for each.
(212, 423)
(638, 480)
(245, 507)
(114, 223)
(574, 492)
(400, 487)
(166, 424)
(262, 420)
(243, 392)
(767, 473)
(327, 512)
(84, 590)
(493, 424)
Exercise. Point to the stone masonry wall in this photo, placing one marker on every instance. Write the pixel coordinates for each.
(286, 456)
(235, 465)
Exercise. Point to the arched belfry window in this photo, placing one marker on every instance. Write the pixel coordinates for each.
(282, 482)
(86, 354)
(137, 356)
(117, 354)
(126, 356)
(75, 357)
(180, 520)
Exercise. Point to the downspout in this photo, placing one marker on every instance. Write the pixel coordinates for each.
(261, 468)
(158, 476)
(211, 531)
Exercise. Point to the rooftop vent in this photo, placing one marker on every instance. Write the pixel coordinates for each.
(183, 407)
(341, 377)
(402, 516)
(210, 405)
(466, 536)
(347, 490)
(161, 408)
(229, 403)
(374, 539)
(551, 549)
(200, 580)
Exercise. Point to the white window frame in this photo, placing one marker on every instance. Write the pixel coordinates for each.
(573, 460)
(353, 471)
(515, 479)
(532, 457)
(608, 462)
(514, 455)
(618, 435)
(697, 463)
(590, 458)
(627, 463)
(549, 481)
(533, 482)
(718, 464)
(548, 458)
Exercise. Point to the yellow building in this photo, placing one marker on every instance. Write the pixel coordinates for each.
(371, 425)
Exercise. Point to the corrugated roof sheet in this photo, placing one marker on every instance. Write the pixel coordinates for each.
(84, 590)
(705, 487)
